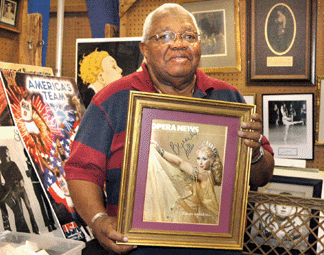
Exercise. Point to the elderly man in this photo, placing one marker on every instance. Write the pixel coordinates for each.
(171, 48)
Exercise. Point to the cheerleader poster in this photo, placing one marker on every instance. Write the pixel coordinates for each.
(47, 112)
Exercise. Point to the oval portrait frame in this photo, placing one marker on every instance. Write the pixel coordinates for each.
(267, 25)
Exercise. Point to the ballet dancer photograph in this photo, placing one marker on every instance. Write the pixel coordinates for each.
(288, 122)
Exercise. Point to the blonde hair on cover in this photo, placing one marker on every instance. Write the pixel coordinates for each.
(90, 66)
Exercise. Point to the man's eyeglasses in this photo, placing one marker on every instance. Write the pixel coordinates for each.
(169, 37)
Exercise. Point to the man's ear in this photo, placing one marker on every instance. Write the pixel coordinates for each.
(143, 49)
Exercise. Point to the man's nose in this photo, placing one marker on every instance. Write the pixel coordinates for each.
(178, 41)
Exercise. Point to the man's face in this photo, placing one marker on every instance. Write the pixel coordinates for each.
(6, 156)
(25, 94)
(284, 210)
(177, 60)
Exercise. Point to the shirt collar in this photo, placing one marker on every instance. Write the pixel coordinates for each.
(144, 82)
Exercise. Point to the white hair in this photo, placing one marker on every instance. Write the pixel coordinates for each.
(148, 21)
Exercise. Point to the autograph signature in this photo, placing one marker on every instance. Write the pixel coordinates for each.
(185, 145)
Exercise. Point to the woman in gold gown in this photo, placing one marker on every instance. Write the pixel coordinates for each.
(178, 192)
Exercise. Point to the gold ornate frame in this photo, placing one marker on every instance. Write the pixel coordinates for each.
(319, 106)
(143, 109)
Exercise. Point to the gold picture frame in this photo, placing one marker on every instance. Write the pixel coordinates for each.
(179, 125)
(319, 106)
(227, 57)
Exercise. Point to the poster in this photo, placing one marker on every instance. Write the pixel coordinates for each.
(103, 60)
(5, 118)
(24, 208)
(47, 112)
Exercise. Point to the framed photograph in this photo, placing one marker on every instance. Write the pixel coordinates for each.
(281, 42)
(9, 15)
(164, 203)
(283, 227)
(219, 28)
(288, 123)
(320, 110)
(122, 54)
(249, 98)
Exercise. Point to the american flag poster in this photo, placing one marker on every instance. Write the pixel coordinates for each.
(47, 111)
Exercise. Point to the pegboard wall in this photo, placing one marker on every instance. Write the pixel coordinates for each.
(76, 25)
(11, 40)
(9, 44)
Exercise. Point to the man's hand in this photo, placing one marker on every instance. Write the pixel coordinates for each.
(104, 229)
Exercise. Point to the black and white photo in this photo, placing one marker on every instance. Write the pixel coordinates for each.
(212, 32)
(285, 225)
(288, 123)
(9, 12)
(24, 206)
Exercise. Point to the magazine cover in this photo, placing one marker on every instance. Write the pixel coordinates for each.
(23, 205)
(178, 152)
(5, 118)
(47, 111)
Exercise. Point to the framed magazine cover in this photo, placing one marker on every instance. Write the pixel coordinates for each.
(281, 42)
(288, 122)
(285, 227)
(157, 202)
(219, 27)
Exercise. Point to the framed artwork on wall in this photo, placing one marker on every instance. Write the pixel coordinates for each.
(288, 123)
(158, 205)
(9, 15)
(281, 42)
(319, 140)
(219, 28)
